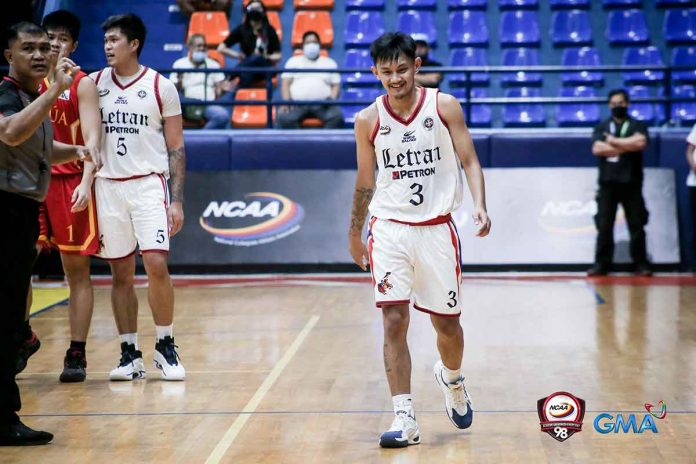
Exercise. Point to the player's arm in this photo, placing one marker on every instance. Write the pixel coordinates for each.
(636, 142)
(174, 139)
(364, 183)
(451, 113)
(90, 125)
(64, 153)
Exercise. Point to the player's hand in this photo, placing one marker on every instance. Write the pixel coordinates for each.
(358, 251)
(83, 153)
(80, 197)
(65, 71)
(175, 214)
(610, 139)
(95, 155)
(483, 222)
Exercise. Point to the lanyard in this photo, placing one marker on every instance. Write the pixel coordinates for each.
(622, 131)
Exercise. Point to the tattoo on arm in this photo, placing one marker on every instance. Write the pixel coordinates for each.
(177, 168)
(361, 200)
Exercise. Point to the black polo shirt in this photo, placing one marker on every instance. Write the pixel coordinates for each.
(25, 169)
(427, 62)
(628, 168)
(250, 42)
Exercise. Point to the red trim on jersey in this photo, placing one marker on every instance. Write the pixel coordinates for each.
(370, 246)
(434, 313)
(14, 81)
(437, 107)
(154, 250)
(116, 259)
(392, 113)
(123, 179)
(373, 136)
(96, 81)
(124, 87)
(431, 222)
(455, 243)
(394, 302)
(157, 94)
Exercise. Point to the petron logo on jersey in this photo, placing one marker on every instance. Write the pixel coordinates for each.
(402, 161)
(262, 217)
(122, 122)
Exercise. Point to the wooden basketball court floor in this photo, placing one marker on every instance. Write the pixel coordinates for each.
(288, 369)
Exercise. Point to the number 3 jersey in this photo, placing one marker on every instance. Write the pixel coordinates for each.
(420, 175)
(132, 113)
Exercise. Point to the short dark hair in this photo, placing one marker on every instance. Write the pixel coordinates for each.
(63, 19)
(194, 37)
(389, 46)
(618, 92)
(130, 25)
(308, 33)
(24, 27)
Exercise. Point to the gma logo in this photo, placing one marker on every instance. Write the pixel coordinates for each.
(605, 423)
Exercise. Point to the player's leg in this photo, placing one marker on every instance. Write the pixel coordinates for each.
(437, 292)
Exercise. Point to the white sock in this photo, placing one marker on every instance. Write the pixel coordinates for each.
(164, 331)
(451, 376)
(403, 403)
(130, 338)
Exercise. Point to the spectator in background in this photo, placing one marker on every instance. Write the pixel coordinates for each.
(618, 142)
(188, 7)
(691, 180)
(258, 45)
(320, 86)
(197, 86)
(426, 79)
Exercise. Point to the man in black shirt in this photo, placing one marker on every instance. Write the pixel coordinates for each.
(426, 79)
(618, 143)
(26, 152)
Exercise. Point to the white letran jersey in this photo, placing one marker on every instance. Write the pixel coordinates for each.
(132, 112)
(420, 176)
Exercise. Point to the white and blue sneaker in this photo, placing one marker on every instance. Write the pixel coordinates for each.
(457, 401)
(131, 366)
(403, 432)
(167, 360)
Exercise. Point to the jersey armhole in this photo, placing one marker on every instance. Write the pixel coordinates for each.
(96, 81)
(374, 131)
(437, 108)
(157, 93)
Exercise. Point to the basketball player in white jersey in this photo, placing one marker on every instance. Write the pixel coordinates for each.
(142, 146)
(419, 141)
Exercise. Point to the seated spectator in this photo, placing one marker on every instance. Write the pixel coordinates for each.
(197, 86)
(188, 7)
(426, 79)
(258, 45)
(310, 86)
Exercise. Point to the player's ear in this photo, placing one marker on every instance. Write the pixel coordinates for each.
(418, 62)
(74, 47)
(374, 71)
(8, 55)
(134, 44)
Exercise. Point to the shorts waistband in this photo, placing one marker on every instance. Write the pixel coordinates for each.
(123, 179)
(432, 222)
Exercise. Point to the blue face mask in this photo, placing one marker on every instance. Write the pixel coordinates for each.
(198, 56)
(311, 50)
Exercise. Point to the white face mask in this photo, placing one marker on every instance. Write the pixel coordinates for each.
(198, 56)
(311, 50)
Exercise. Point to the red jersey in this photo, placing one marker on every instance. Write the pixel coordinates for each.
(65, 116)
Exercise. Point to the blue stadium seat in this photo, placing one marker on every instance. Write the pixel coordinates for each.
(357, 94)
(680, 26)
(466, 4)
(684, 56)
(363, 27)
(569, 4)
(364, 4)
(359, 58)
(418, 22)
(673, 3)
(523, 114)
(644, 56)
(622, 3)
(641, 111)
(467, 28)
(577, 114)
(660, 111)
(519, 28)
(469, 57)
(585, 56)
(518, 57)
(571, 28)
(627, 27)
(481, 113)
(416, 4)
(517, 4)
(685, 111)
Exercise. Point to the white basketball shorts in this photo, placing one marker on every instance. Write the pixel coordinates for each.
(416, 261)
(132, 212)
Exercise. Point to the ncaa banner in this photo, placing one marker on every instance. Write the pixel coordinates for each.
(540, 216)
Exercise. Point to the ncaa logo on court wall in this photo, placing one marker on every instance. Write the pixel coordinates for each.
(261, 218)
(561, 415)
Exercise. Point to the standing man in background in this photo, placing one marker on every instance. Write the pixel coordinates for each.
(691, 179)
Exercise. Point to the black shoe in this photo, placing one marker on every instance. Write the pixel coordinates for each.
(643, 270)
(20, 435)
(74, 366)
(597, 270)
(26, 349)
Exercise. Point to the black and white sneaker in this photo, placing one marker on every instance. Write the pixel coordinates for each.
(131, 365)
(167, 360)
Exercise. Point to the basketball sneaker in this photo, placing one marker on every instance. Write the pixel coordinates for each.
(457, 401)
(74, 366)
(131, 365)
(26, 350)
(403, 432)
(167, 359)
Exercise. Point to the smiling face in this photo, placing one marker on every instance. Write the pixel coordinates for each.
(29, 55)
(118, 49)
(397, 76)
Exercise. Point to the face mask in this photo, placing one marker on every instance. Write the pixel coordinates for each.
(619, 112)
(198, 56)
(311, 50)
(255, 15)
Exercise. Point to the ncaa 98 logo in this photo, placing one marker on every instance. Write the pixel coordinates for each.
(561, 415)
